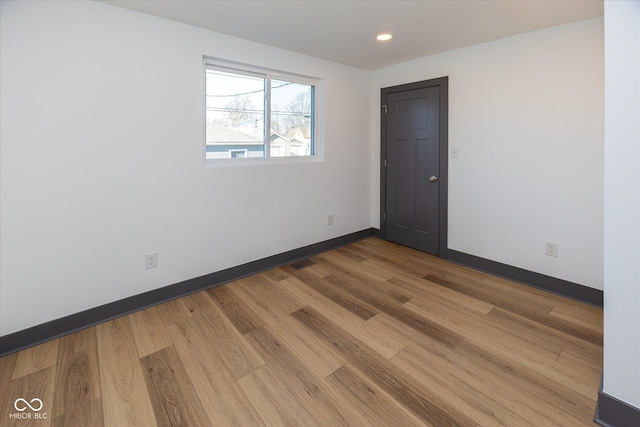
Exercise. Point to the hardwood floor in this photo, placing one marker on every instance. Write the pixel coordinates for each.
(368, 334)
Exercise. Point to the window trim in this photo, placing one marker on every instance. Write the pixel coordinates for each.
(317, 116)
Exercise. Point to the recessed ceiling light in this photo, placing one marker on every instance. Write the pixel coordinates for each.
(384, 37)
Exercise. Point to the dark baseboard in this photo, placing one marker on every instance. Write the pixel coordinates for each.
(547, 283)
(74, 322)
(612, 412)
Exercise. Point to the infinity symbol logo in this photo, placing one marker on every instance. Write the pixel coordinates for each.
(28, 404)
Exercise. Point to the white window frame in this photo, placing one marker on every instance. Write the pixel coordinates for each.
(317, 121)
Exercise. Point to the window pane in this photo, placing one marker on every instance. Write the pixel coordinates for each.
(236, 154)
(291, 119)
(235, 115)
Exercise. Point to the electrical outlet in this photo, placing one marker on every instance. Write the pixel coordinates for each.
(151, 260)
(330, 219)
(551, 249)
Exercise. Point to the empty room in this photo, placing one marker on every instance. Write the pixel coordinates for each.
(322, 213)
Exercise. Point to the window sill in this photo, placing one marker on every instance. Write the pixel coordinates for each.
(239, 162)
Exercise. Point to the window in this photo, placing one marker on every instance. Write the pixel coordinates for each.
(237, 154)
(259, 115)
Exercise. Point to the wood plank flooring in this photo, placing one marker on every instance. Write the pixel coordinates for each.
(370, 334)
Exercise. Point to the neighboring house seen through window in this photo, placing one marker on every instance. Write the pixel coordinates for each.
(259, 114)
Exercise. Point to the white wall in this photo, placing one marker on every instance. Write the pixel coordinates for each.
(622, 202)
(101, 160)
(526, 113)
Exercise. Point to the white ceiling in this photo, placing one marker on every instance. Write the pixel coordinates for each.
(344, 31)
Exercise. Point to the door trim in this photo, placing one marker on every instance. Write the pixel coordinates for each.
(443, 84)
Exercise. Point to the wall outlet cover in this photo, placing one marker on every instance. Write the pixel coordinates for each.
(151, 260)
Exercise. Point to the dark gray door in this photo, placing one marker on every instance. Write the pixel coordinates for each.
(412, 171)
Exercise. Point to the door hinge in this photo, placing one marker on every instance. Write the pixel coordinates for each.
(385, 163)
(385, 108)
(385, 216)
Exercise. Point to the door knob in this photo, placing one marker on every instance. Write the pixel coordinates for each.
(433, 179)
